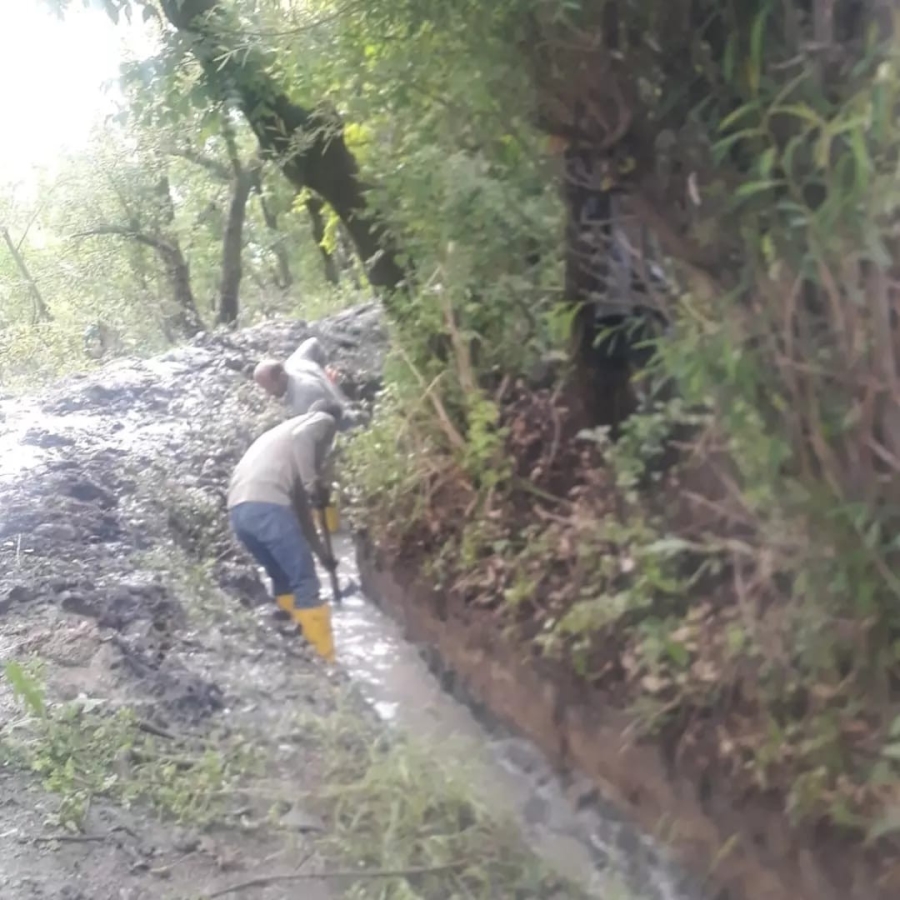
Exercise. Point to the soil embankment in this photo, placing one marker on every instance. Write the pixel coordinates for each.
(109, 603)
(742, 847)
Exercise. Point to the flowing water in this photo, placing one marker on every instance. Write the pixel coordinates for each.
(594, 845)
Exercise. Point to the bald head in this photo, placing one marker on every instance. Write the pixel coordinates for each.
(271, 377)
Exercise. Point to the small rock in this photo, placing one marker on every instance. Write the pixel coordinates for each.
(69, 892)
(186, 842)
(56, 531)
(20, 594)
(536, 811)
(520, 754)
(77, 604)
(582, 793)
(88, 492)
(301, 820)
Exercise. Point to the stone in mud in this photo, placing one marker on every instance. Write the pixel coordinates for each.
(192, 698)
(88, 492)
(242, 584)
(60, 532)
(47, 440)
(181, 693)
(20, 593)
(70, 892)
(19, 519)
(132, 602)
(62, 465)
(302, 821)
(582, 793)
(78, 604)
(536, 810)
(520, 754)
(185, 841)
(58, 585)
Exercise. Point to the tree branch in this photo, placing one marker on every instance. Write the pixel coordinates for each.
(124, 232)
(307, 143)
(213, 166)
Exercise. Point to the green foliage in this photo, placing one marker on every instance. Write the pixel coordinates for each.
(26, 686)
(393, 805)
(82, 751)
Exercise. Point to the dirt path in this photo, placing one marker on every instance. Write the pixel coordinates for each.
(154, 719)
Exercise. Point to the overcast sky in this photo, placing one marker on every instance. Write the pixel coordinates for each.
(51, 79)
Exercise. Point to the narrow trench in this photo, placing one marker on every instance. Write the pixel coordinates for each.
(586, 840)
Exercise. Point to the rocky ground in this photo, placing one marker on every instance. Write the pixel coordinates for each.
(159, 736)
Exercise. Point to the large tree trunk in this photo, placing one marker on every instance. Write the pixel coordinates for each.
(233, 248)
(317, 220)
(308, 145)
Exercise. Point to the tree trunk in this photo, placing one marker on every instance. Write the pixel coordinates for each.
(40, 313)
(308, 145)
(314, 208)
(602, 378)
(186, 319)
(233, 246)
(344, 258)
(285, 276)
(178, 273)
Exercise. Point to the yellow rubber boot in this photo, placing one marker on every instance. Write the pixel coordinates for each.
(332, 518)
(328, 518)
(285, 602)
(315, 624)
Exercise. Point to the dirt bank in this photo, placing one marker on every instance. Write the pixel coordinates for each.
(484, 628)
(159, 736)
(740, 845)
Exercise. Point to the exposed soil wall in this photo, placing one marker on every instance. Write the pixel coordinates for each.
(744, 845)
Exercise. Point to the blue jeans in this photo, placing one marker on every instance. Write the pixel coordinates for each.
(274, 537)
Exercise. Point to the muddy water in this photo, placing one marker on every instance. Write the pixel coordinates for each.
(592, 845)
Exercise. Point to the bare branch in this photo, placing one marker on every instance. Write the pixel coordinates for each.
(213, 166)
(125, 232)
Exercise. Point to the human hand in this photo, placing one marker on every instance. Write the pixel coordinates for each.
(319, 496)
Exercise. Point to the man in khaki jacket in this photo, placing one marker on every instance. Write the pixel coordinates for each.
(273, 490)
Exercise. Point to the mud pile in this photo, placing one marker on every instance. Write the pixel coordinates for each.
(111, 509)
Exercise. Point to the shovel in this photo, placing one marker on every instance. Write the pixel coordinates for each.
(326, 540)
